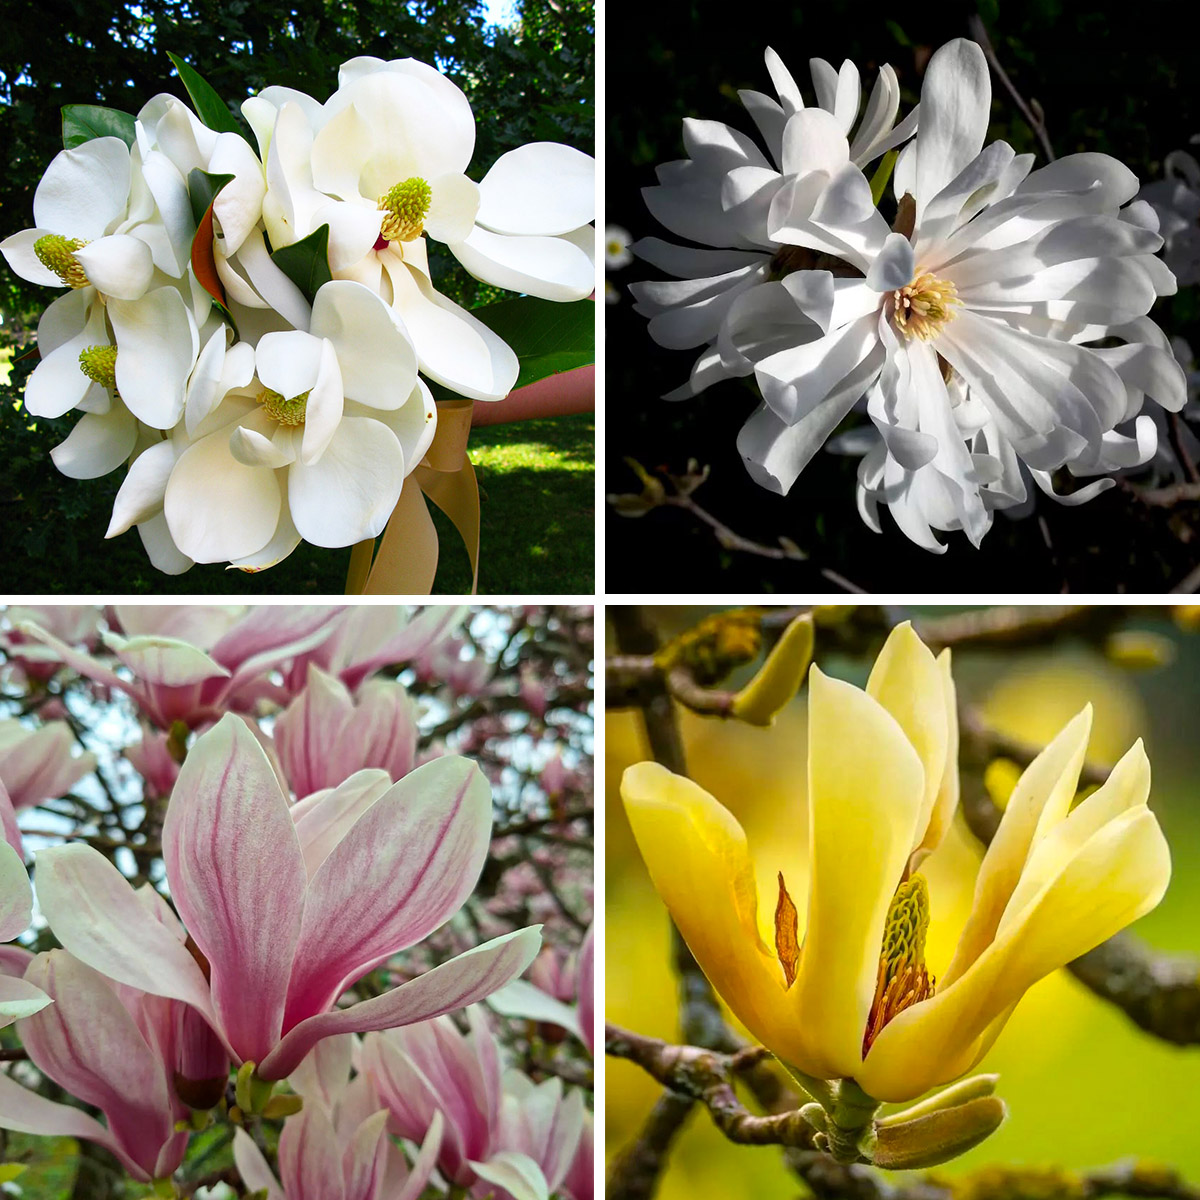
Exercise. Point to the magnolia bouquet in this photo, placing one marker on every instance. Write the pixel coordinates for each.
(254, 328)
(286, 891)
(991, 328)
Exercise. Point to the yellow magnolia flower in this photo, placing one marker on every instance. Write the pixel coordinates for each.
(838, 987)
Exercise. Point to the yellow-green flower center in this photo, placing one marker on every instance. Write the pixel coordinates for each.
(902, 980)
(100, 363)
(286, 410)
(57, 253)
(406, 206)
(922, 308)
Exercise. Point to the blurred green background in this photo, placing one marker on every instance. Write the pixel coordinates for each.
(1113, 77)
(1084, 1085)
(527, 66)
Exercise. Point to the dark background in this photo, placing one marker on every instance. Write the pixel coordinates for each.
(1119, 78)
(531, 82)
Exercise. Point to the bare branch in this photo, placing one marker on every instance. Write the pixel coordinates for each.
(1035, 120)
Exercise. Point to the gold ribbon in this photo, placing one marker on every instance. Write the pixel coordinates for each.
(406, 562)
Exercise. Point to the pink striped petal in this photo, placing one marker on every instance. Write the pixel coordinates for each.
(423, 1164)
(310, 1160)
(163, 661)
(364, 1161)
(9, 828)
(37, 764)
(88, 1043)
(463, 980)
(325, 817)
(371, 644)
(323, 1077)
(237, 877)
(387, 722)
(24, 1111)
(16, 896)
(101, 920)
(270, 634)
(313, 737)
(586, 988)
(580, 1183)
(404, 868)
(253, 1168)
(18, 999)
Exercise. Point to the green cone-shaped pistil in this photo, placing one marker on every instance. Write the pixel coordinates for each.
(57, 253)
(287, 411)
(406, 205)
(100, 363)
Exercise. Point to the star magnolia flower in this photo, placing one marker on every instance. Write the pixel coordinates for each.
(128, 1053)
(288, 907)
(40, 764)
(843, 990)
(721, 196)
(1176, 200)
(338, 1147)
(383, 162)
(17, 998)
(325, 734)
(993, 275)
(501, 1131)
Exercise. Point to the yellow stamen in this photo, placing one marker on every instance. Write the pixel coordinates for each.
(406, 205)
(100, 364)
(902, 980)
(287, 411)
(920, 309)
(57, 253)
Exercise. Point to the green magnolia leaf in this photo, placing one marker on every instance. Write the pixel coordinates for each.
(306, 263)
(83, 122)
(547, 337)
(210, 108)
(203, 189)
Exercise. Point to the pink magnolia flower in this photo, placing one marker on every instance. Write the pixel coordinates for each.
(587, 988)
(175, 680)
(443, 662)
(76, 624)
(503, 1134)
(116, 1048)
(39, 764)
(290, 905)
(326, 734)
(553, 971)
(337, 1147)
(579, 1182)
(17, 998)
(153, 761)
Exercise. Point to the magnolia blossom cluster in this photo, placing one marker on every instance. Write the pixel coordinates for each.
(246, 325)
(304, 851)
(992, 333)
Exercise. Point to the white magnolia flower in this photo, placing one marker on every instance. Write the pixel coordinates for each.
(309, 434)
(1176, 200)
(993, 280)
(383, 162)
(721, 196)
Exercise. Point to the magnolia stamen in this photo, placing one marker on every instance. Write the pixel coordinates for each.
(57, 253)
(902, 979)
(921, 308)
(406, 205)
(287, 411)
(99, 363)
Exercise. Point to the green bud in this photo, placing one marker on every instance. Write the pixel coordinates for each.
(242, 1087)
(955, 1094)
(939, 1136)
(283, 1106)
(816, 1116)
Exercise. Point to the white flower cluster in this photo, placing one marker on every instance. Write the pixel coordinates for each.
(1176, 200)
(255, 356)
(967, 331)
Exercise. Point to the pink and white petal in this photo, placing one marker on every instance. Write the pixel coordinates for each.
(98, 917)
(310, 1160)
(365, 1158)
(388, 718)
(324, 1076)
(325, 816)
(453, 348)
(237, 878)
(453, 203)
(516, 1174)
(463, 980)
(586, 987)
(538, 188)
(424, 1164)
(118, 266)
(24, 1111)
(19, 253)
(164, 661)
(157, 345)
(550, 267)
(84, 190)
(98, 444)
(308, 731)
(267, 635)
(16, 896)
(377, 359)
(9, 828)
(253, 1168)
(401, 871)
(325, 406)
(350, 493)
(140, 496)
(19, 999)
(217, 509)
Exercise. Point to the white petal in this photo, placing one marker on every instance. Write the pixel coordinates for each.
(119, 266)
(84, 190)
(813, 141)
(541, 187)
(253, 448)
(549, 267)
(58, 384)
(160, 546)
(288, 363)
(893, 268)
(157, 344)
(203, 393)
(271, 283)
(286, 539)
(325, 403)
(97, 445)
(141, 494)
(18, 251)
(350, 493)
(414, 423)
(238, 205)
(452, 208)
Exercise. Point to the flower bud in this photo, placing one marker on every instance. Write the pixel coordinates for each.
(780, 677)
(938, 1136)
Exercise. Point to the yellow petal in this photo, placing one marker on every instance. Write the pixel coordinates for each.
(1041, 799)
(699, 862)
(947, 798)
(1128, 785)
(866, 794)
(780, 677)
(1118, 875)
(908, 682)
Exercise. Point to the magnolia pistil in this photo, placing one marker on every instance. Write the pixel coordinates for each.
(406, 206)
(288, 411)
(902, 979)
(57, 253)
(99, 363)
(922, 308)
